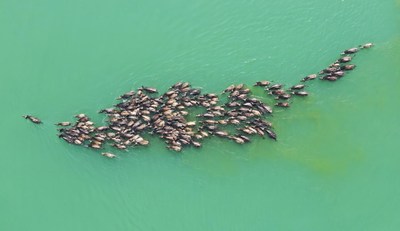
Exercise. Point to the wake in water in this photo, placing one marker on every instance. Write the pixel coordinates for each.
(170, 115)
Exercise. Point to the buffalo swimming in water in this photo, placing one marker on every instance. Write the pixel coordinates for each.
(32, 119)
(184, 116)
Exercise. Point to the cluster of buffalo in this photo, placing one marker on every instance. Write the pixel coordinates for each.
(183, 116)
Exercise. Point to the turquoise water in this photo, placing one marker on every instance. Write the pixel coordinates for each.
(335, 166)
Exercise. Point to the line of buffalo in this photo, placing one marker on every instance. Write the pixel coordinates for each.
(184, 116)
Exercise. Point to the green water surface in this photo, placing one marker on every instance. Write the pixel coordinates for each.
(336, 165)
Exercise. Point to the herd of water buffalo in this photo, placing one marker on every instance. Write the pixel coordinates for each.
(184, 116)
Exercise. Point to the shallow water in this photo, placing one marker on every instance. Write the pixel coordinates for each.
(334, 167)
